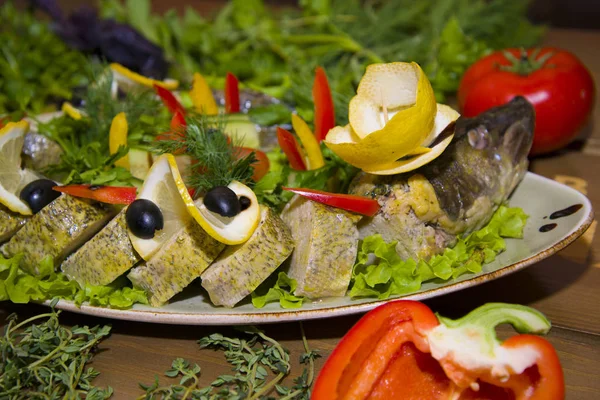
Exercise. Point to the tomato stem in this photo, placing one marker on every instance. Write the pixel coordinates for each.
(526, 63)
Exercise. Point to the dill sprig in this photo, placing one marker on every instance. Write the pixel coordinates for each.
(215, 158)
(44, 360)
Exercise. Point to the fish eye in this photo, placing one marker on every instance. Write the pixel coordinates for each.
(479, 138)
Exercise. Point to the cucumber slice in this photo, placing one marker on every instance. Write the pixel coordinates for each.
(243, 132)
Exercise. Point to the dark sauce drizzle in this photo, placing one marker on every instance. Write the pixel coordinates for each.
(547, 227)
(559, 214)
(566, 212)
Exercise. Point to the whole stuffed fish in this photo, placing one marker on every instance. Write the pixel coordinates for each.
(426, 210)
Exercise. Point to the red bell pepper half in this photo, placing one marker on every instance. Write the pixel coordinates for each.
(324, 110)
(291, 148)
(401, 350)
(348, 202)
(169, 100)
(232, 94)
(104, 194)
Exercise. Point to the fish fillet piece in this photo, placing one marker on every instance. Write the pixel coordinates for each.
(179, 261)
(105, 257)
(39, 152)
(10, 223)
(240, 269)
(57, 230)
(326, 242)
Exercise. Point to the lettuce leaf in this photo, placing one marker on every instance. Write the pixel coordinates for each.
(19, 286)
(389, 275)
(281, 291)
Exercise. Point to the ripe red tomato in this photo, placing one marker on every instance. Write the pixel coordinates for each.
(553, 80)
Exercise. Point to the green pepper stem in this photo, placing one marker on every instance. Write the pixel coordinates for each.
(525, 64)
(486, 318)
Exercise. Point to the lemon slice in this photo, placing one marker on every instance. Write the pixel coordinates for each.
(12, 177)
(228, 230)
(391, 117)
(160, 188)
(126, 77)
(445, 115)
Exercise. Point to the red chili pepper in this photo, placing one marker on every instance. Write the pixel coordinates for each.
(232, 94)
(357, 204)
(401, 350)
(101, 193)
(178, 121)
(169, 100)
(291, 148)
(324, 109)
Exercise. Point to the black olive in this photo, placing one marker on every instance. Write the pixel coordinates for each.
(223, 201)
(244, 203)
(38, 194)
(144, 218)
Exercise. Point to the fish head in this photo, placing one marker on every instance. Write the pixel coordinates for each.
(502, 132)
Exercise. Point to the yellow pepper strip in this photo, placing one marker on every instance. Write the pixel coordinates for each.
(202, 96)
(118, 137)
(311, 146)
(71, 111)
(126, 73)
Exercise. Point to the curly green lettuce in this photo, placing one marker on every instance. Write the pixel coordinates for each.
(389, 275)
(21, 287)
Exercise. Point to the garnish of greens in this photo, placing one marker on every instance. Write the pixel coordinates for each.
(36, 67)
(19, 286)
(259, 365)
(211, 151)
(389, 275)
(86, 157)
(281, 48)
(42, 359)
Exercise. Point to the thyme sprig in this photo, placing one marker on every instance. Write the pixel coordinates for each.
(259, 364)
(44, 360)
(215, 158)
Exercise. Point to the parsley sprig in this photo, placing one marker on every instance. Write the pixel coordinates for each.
(259, 364)
(215, 159)
(47, 361)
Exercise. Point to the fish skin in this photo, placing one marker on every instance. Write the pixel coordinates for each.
(326, 242)
(105, 257)
(239, 269)
(10, 223)
(40, 152)
(58, 229)
(426, 210)
(178, 262)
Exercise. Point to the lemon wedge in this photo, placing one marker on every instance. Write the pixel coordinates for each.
(160, 188)
(228, 230)
(126, 77)
(12, 177)
(391, 117)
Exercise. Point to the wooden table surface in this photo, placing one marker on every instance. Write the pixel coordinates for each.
(565, 287)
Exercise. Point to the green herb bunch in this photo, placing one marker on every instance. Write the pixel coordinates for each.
(259, 364)
(215, 161)
(281, 48)
(36, 66)
(86, 157)
(43, 360)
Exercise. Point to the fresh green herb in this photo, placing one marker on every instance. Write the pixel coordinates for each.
(211, 151)
(85, 146)
(47, 361)
(281, 49)
(259, 364)
(36, 67)
(390, 275)
(273, 114)
(282, 291)
(334, 177)
(19, 286)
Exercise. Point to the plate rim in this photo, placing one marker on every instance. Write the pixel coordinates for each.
(219, 318)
